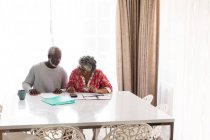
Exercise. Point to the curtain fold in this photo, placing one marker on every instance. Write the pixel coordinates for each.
(137, 46)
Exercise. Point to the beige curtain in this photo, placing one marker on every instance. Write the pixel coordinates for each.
(137, 46)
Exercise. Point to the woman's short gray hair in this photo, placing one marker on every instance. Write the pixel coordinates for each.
(88, 61)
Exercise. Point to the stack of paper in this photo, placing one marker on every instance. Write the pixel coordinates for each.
(48, 95)
(58, 100)
(96, 96)
(89, 96)
(105, 97)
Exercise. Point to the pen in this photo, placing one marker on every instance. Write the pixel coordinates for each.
(99, 95)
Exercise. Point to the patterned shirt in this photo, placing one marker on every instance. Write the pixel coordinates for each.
(98, 80)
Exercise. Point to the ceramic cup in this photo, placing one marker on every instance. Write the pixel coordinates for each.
(21, 94)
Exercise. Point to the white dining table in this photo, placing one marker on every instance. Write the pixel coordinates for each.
(123, 108)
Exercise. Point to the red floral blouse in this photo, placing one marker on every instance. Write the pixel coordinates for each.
(97, 80)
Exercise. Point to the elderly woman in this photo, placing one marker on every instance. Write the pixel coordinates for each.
(86, 78)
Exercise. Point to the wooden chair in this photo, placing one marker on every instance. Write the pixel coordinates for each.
(105, 130)
(157, 129)
(130, 132)
(58, 133)
(163, 107)
(148, 98)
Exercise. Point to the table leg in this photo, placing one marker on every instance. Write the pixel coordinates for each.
(95, 133)
(172, 131)
(1, 132)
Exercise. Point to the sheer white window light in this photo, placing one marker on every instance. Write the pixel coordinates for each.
(184, 68)
(79, 27)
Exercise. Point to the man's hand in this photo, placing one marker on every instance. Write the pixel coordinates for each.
(57, 91)
(71, 90)
(33, 92)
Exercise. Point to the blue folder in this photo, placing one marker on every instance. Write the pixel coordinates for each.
(58, 100)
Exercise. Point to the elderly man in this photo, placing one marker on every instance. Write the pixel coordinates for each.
(47, 76)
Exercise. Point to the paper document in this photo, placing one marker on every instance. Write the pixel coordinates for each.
(88, 94)
(58, 100)
(90, 98)
(96, 96)
(105, 97)
(48, 95)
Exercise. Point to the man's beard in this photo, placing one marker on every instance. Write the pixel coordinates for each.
(51, 63)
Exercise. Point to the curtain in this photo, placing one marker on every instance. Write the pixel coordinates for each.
(137, 46)
(184, 68)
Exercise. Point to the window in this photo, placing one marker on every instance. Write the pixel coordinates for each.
(79, 27)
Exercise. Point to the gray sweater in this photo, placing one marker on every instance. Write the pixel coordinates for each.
(45, 79)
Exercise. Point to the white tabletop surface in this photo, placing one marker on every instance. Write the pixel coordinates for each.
(123, 107)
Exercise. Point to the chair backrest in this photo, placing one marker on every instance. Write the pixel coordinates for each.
(157, 129)
(130, 132)
(106, 129)
(163, 107)
(148, 98)
(58, 133)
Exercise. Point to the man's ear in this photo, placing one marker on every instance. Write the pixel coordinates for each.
(49, 56)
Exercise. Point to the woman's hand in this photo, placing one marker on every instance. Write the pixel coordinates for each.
(93, 89)
(71, 90)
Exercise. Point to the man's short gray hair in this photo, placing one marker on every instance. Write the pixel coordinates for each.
(53, 49)
(88, 61)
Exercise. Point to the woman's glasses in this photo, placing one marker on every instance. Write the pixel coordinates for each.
(84, 68)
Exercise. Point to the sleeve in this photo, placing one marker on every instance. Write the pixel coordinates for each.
(64, 80)
(29, 81)
(104, 82)
(71, 79)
